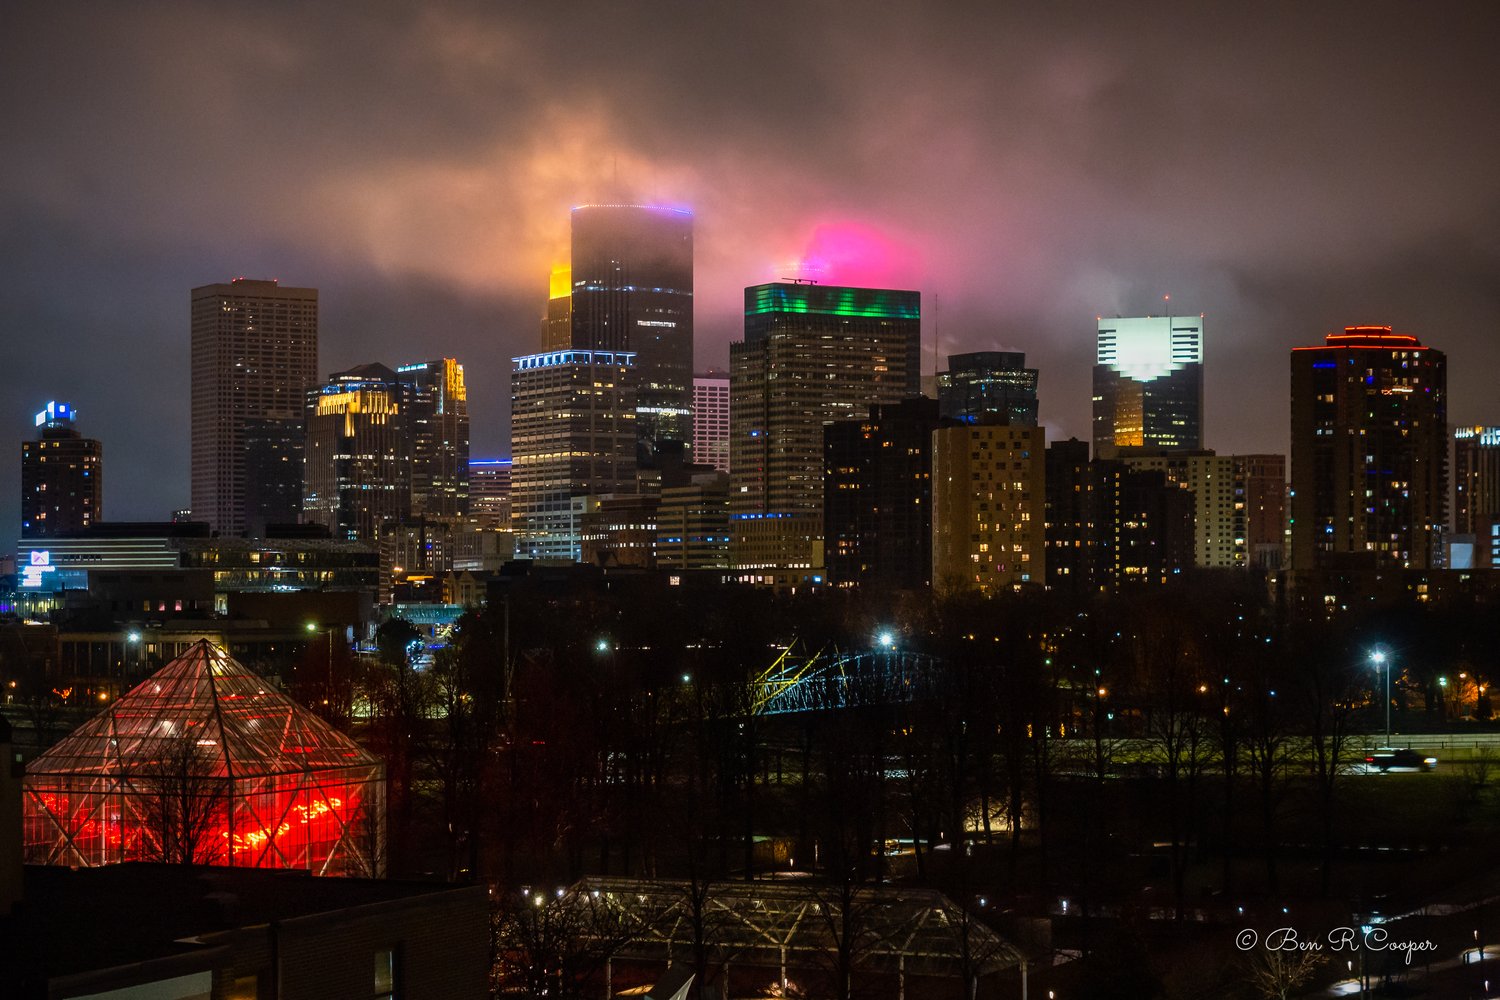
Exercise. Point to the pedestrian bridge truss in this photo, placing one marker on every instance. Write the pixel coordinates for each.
(829, 681)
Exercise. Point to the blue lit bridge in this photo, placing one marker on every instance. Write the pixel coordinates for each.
(830, 681)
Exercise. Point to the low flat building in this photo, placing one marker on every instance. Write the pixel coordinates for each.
(175, 567)
(180, 932)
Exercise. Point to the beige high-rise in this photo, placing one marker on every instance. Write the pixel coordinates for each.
(988, 507)
(254, 357)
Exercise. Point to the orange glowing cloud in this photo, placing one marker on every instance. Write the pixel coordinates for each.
(498, 220)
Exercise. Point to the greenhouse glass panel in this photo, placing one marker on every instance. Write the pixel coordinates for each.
(205, 762)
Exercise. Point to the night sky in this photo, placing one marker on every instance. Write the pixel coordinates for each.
(1284, 169)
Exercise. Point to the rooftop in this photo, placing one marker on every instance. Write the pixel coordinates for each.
(79, 920)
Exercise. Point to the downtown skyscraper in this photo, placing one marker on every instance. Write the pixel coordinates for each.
(711, 419)
(988, 507)
(254, 358)
(62, 476)
(359, 453)
(877, 496)
(632, 291)
(812, 355)
(387, 447)
(572, 438)
(1148, 385)
(1476, 497)
(438, 421)
(988, 385)
(1369, 451)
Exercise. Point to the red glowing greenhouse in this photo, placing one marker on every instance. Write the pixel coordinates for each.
(206, 763)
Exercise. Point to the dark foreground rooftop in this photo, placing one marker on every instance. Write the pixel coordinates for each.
(78, 931)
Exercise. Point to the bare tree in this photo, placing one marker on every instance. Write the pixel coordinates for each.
(846, 908)
(1267, 738)
(1173, 688)
(1279, 975)
(466, 692)
(1479, 767)
(557, 945)
(184, 800)
(1329, 688)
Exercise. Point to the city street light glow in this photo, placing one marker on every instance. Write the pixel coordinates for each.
(1377, 657)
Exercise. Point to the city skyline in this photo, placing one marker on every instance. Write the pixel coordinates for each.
(1029, 194)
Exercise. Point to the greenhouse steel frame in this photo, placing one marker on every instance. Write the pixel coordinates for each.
(776, 924)
(205, 762)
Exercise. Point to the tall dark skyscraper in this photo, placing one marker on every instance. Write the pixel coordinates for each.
(438, 421)
(358, 470)
(62, 476)
(1476, 493)
(254, 358)
(273, 451)
(988, 385)
(812, 354)
(1369, 450)
(1143, 523)
(632, 290)
(877, 496)
(1148, 385)
(1071, 535)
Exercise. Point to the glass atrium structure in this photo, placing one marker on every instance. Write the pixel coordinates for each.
(207, 763)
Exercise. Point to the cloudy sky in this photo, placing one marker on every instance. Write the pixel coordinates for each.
(1283, 169)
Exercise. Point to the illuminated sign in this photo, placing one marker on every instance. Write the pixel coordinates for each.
(1489, 437)
(54, 411)
(33, 575)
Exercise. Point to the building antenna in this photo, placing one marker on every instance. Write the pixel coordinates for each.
(937, 315)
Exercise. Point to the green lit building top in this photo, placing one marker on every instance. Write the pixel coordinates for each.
(797, 308)
(831, 300)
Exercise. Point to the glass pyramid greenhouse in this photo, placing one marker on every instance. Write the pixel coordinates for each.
(206, 763)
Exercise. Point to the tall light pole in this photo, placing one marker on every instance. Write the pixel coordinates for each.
(1378, 658)
(328, 635)
(133, 643)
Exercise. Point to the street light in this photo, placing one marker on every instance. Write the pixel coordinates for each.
(313, 627)
(1378, 658)
(887, 640)
(133, 645)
